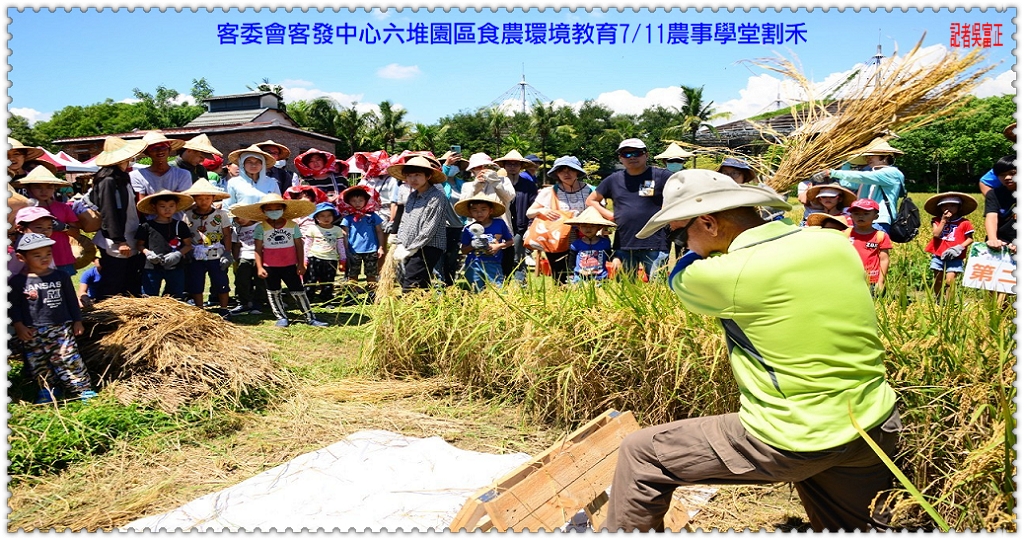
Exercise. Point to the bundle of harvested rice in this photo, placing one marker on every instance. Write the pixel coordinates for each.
(906, 93)
(388, 277)
(165, 352)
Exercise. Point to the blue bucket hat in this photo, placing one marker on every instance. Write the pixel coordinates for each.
(568, 161)
(748, 171)
(325, 206)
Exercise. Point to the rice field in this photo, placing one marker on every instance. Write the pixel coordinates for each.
(567, 354)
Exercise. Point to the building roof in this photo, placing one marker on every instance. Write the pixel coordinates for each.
(211, 130)
(235, 96)
(226, 118)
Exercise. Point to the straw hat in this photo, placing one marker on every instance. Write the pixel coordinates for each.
(590, 216)
(293, 208)
(201, 143)
(116, 150)
(31, 152)
(16, 202)
(967, 203)
(285, 152)
(479, 159)
(1010, 132)
(204, 187)
(674, 151)
(700, 192)
(41, 175)
(146, 204)
(436, 176)
(462, 163)
(157, 137)
(848, 196)
(878, 147)
(254, 149)
(427, 154)
(83, 250)
(817, 219)
(497, 209)
(514, 155)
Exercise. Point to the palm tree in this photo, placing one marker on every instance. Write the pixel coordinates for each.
(428, 137)
(497, 122)
(390, 126)
(547, 122)
(695, 114)
(353, 130)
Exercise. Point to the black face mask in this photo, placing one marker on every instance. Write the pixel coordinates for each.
(678, 236)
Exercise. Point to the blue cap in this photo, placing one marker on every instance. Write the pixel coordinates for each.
(735, 163)
(533, 157)
(325, 206)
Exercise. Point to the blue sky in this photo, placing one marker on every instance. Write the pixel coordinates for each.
(84, 58)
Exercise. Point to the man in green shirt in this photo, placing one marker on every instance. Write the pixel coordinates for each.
(802, 370)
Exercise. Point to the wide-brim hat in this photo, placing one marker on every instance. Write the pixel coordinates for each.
(41, 175)
(462, 163)
(571, 162)
(36, 163)
(748, 172)
(16, 202)
(254, 149)
(436, 176)
(699, 192)
(83, 250)
(847, 196)
(157, 137)
(293, 208)
(424, 153)
(31, 152)
(480, 159)
(878, 147)
(590, 216)
(146, 204)
(204, 187)
(514, 155)
(285, 152)
(201, 143)
(497, 209)
(674, 151)
(967, 203)
(116, 150)
(817, 219)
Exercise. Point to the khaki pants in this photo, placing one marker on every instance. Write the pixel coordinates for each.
(836, 486)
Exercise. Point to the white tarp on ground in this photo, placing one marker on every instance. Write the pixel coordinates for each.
(374, 480)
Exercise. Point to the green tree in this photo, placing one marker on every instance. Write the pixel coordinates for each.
(353, 130)
(390, 126)
(161, 110)
(24, 133)
(201, 90)
(429, 137)
(695, 115)
(497, 124)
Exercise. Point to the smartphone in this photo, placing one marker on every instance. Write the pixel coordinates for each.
(456, 149)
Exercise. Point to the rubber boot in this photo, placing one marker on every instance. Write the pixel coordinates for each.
(307, 310)
(277, 307)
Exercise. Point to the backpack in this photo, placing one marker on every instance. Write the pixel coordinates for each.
(906, 223)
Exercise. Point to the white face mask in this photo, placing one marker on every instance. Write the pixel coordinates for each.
(274, 214)
(674, 167)
(280, 163)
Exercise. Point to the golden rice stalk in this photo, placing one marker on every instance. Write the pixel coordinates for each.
(387, 278)
(909, 94)
(162, 351)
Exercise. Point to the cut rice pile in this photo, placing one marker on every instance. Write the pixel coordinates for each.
(163, 352)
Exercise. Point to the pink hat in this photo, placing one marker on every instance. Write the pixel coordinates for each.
(32, 213)
(864, 204)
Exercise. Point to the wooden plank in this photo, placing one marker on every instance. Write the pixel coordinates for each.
(678, 515)
(597, 511)
(566, 484)
(576, 487)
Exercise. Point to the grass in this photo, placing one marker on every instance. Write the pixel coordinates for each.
(511, 371)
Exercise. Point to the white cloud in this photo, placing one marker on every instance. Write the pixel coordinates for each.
(292, 93)
(379, 14)
(1002, 84)
(130, 101)
(31, 115)
(396, 71)
(296, 82)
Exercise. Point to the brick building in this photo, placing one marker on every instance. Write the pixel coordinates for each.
(231, 122)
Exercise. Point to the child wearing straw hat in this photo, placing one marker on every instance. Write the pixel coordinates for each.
(211, 244)
(46, 319)
(592, 251)
(280, 253)
(484, 240)
(952, 234)
(164, 241)
(41, 185)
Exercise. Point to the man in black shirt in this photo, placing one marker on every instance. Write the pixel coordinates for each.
(1001, 207)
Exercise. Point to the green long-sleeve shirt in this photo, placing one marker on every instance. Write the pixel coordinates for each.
(802, 333)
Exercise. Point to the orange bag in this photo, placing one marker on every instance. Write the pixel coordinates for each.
(549, 236)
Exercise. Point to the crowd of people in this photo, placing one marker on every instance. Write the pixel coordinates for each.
(177, 228)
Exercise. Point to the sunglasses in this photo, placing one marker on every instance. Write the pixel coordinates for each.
(632, 153)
